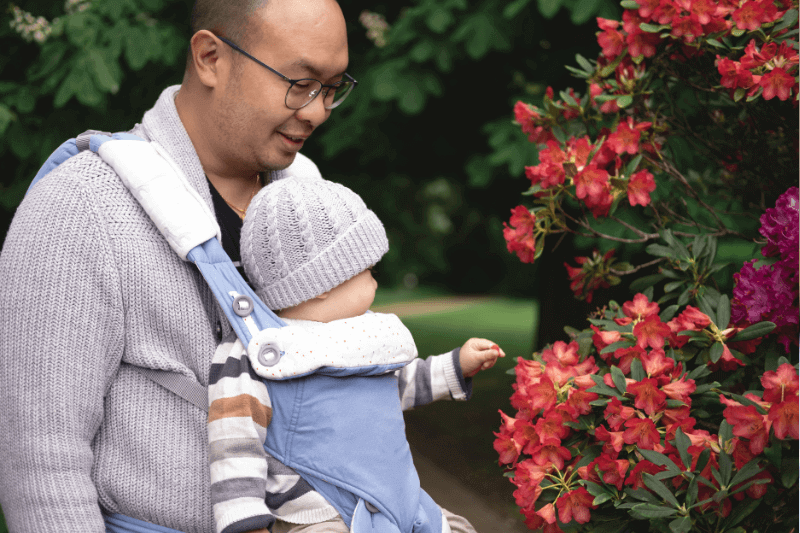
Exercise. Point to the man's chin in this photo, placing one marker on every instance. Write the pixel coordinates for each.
(281, 162)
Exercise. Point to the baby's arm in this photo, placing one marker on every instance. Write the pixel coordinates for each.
(438, 377)
(239, 413)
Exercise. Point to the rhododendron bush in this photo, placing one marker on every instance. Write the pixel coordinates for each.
(676, 410)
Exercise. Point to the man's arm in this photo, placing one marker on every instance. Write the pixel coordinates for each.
(62, 323)
(238, 416)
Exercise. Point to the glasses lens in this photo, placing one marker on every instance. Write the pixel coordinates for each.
(302, 92)
(337, 94)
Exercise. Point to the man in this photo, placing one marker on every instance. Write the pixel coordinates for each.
(91, 290)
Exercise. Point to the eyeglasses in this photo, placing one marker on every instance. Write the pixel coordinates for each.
(303, 91)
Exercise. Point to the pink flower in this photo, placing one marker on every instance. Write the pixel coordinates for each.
(520, 238)
(651, 332)
(640, 186)
(778, 83)
(575, 504)
(647, 395)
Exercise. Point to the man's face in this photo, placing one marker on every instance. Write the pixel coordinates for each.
(299, 39)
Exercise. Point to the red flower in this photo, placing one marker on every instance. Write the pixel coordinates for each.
(651, 332)
(613, 440)
(687, 27)
(626, 137)
(656, 363)
(610, 39)
(780, 384)
(575, 504)
(527, 477)
(640, 307)
(580, 400)
(748, 423)
(542, 394)
(592, 186)
(642, 432)
(551, 429)
(548, 513)
(525, 434)
(680, 390)
(692, 319)
(666, 12)
(748, 17)
(563, 353)
(783, 417)
(647, 396)
(551, 455)
(778, 83)
(507, 448)
(640, 186)
(520, 239)
(601, 338)
(642, 467)
(527, 117)
(616, 414)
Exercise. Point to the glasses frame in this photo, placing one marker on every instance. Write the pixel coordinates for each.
(324, 88)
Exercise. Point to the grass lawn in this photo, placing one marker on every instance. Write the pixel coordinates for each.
(458, 436)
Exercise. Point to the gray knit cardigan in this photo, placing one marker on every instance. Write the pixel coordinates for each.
(88, 287)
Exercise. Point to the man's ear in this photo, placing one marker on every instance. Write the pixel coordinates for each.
(206, 57)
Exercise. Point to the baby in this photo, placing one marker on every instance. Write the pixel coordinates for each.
(325, 451)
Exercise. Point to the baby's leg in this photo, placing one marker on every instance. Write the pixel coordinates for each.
(458, 524)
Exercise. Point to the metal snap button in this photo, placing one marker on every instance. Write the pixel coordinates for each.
(268, 355)
(243, 305)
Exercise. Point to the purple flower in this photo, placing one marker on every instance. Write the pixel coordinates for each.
(771, 291)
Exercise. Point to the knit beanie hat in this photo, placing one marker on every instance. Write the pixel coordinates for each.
(304, 236)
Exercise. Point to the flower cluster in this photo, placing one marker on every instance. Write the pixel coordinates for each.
(376, 26)
(29, 27)
(619, 434)
(770, 292)
(768, 69)
(592, 273)
(520, 236)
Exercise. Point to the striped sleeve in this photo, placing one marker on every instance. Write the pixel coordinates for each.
(438, 377)
(238, 415)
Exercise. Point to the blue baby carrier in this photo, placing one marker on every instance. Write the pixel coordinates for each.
(346, 438)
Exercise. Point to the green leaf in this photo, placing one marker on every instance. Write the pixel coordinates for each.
(702, 460)
(658, 250)
(103, 72)
(699, 372)
(716, 351)
(659, 459)
(137, 47)
(739, 93)
(625, 100)
(682, 443)
(641, 494)
(515, 8)
(614, 346)
(790, 471)
(646, 281)
(652, 28)
(649, 510)
(747, 401)
(422, 51)
(619, 379)
(439, 20)
(602, 498)
(673, 285)
(605, 390)
(706, 307)
(789, 18)
(740, 512)
(723, 312)
(725, 431)
(725, 469)
(746, 472)
(583, 10)
(6, 116)
(548, 8)
(683, 299)
(752, 332)
(637, 370)
(681, 525)
(584, 63)
(630, 4)
(668, 313)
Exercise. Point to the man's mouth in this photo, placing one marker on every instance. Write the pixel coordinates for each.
(295, 138)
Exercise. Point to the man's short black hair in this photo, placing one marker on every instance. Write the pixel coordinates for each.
(228, 18)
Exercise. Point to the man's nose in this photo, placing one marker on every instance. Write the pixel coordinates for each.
(315, 112)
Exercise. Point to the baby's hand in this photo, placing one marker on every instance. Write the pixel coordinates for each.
(478, 354)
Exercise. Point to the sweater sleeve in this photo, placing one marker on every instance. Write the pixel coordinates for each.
(62, 320)
(438, 377)
(238, 415)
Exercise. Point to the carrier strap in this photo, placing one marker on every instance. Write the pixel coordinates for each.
(119, 523)
(187, 388)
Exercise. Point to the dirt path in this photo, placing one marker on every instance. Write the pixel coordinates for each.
(487, 511)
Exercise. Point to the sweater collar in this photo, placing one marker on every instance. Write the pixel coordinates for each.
(163, 125)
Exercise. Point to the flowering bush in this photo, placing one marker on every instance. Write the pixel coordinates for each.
(677, 413)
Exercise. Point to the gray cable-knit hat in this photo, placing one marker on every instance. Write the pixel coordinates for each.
(302, 237)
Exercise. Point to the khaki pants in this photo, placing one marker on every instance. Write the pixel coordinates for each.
(336, 525)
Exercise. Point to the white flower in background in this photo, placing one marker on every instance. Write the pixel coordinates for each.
(29, 27)
(376, 26)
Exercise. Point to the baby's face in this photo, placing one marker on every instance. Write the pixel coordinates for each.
(353, 297)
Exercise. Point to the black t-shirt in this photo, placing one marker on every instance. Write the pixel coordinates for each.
(230, 226)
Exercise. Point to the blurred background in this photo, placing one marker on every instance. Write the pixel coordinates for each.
(427, 139)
